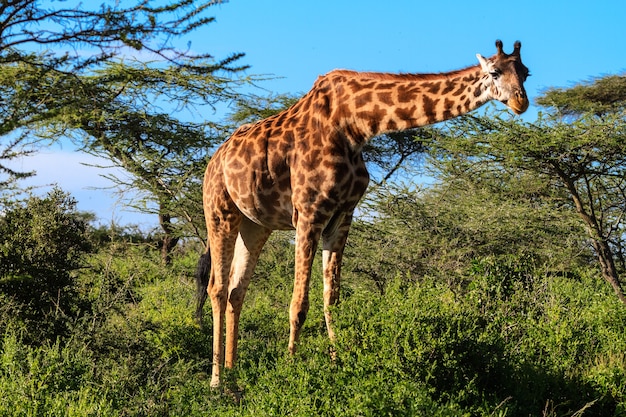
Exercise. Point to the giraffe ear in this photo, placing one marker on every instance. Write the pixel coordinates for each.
(483, 63)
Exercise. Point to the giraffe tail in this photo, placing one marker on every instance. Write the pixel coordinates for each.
(202, 283)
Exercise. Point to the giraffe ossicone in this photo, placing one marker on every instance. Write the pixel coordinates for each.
(302, 169)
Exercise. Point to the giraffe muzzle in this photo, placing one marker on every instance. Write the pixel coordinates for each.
(519, 103)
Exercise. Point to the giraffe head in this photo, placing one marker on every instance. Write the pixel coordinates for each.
(504, 75)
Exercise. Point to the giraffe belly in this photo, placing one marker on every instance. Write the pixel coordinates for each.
(267, 209)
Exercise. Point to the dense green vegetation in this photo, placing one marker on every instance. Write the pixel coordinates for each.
(496, 335)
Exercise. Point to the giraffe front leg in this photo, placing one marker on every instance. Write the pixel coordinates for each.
(307, 238)
(334, 242)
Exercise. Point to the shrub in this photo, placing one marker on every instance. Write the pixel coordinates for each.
(43, 243)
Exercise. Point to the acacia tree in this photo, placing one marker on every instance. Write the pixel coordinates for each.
(594, 169)
(65, 69)
(471, 219)
(165, 155)
(578, 149)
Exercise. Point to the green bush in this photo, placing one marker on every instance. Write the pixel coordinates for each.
(42, 245)
(43, 237)
(553, 346)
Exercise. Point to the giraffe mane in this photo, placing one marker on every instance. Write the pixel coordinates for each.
(389, 76)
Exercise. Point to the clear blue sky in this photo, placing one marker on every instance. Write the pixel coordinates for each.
(563, 42)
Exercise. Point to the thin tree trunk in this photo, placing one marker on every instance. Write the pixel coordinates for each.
(169, 240)
(609, 272)
(600, 242)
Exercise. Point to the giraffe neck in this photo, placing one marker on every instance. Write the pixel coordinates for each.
(371, 104)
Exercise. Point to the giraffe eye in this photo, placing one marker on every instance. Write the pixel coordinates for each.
(495, 74)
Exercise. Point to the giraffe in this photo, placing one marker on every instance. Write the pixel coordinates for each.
(303, 169)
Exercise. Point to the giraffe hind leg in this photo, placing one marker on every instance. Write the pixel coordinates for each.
(250, 242)
(222, 238)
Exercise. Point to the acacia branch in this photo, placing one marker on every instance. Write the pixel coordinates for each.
(109, 29)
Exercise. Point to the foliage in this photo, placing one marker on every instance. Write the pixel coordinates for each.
(107, 29)
(46, 45)
(164, 156)
(576, 166)
(43, 244)
(599, 96)
(42, 236)
(18, 109)
(122, 99)
(554, 348)
(443, 229)
(103, 235)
